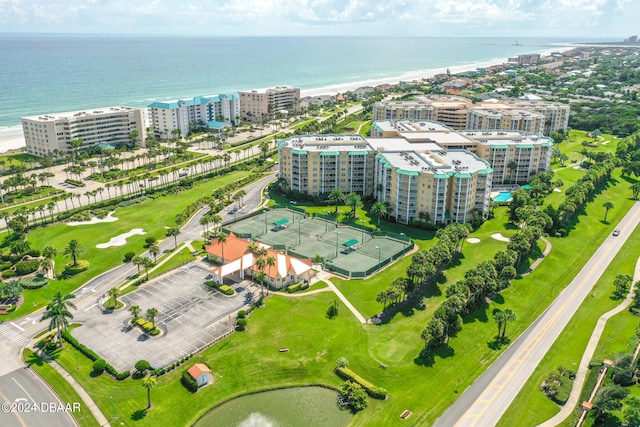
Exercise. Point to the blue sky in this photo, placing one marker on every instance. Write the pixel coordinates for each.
(611, 19)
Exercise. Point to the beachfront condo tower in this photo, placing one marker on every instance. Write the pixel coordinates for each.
(52, 134)
(259, 106)
(173, 119)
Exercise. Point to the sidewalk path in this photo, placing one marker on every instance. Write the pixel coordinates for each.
(537, 262)
(88, 401)
(581, 375)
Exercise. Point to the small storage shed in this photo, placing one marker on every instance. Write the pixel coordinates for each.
(201, 374)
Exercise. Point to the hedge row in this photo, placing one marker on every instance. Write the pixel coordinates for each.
(372, 390)
(93, 356)
(226, 289)
(188, 382)
(27, 267)
(297, 287)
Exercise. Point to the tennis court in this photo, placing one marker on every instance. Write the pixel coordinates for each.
(346, 250)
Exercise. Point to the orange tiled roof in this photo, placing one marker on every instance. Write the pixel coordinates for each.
(234, 247)
(198, 369)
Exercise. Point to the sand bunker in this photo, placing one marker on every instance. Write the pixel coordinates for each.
(499, 236)
(121, 239)
(95, 220)
(557, 190)
(473, 240)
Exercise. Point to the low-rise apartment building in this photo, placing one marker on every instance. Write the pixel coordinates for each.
(258, 106)
(173, 118)
(51, 134)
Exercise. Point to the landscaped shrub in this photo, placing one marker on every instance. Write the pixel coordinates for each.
(242, 324)
(372, 390)
(294, 288)
(6, 265)
(8, 273)
(128, 256)
(304, 286)
(142, 365)
(226, 289)
(154, 332)
(99, 365)
(242, 314)
(211, 284)
(188, 382)
(35, 282)
(27, 267)
(150, 240)
(34, 253)
(81, 266)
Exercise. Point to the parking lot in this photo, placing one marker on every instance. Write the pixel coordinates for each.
(190, 315)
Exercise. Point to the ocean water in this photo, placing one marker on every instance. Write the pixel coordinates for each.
(47, 73)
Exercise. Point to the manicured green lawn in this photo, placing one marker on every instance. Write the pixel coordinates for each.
(152, 215)
(65, 392)
(531, 405)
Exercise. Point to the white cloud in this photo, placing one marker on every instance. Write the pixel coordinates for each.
(317, 17)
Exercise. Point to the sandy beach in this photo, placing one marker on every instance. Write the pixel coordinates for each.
(13, 138)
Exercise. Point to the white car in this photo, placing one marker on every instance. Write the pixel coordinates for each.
(616, 231)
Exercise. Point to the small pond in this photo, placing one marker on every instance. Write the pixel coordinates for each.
(289, 407)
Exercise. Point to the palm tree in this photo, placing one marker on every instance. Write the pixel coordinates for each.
(509, 316)
(354, 201)
(73, 250)
(57, 311)
(635, 188)
(151, 315)
(378, 209)
(271, 262)
(114, 293)
(154, 250)
(607, 206)
(146, 263)
(336, 197)
(135, 311)
(149, 382)
(222, 238)
(48, 252)
(174, 231)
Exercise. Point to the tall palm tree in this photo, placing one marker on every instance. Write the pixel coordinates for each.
(271, 262)
(135, 311)
(149, 382)
(222, 238)
(154, 250)
(114, 293)
(378, 209)
(336, 197)
(151, 315)
(57, 312)
(607, 206)
(73, 250)
(174, 231)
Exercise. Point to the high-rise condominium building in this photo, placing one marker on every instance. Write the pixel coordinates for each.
(51, 134)
(461, 113)
(174, 118)
(257, 106)
(421, 169)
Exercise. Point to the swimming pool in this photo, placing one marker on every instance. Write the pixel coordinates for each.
(503, 196)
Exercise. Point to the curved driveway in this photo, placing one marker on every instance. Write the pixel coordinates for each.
(486, 400)
(16, 334)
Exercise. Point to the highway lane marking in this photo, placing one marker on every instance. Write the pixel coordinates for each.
(23, 389)
(16, 413)
(518, 359)
(19, 327)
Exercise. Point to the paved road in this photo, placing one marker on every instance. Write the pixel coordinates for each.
(26, 401)
(485, 401)
(15, 334)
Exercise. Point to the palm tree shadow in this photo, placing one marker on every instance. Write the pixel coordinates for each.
(139, 414)
(34, 359)
(498, 343)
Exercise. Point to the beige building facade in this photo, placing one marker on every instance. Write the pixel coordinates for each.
(48, 134)
(461, 113)
(259, 105)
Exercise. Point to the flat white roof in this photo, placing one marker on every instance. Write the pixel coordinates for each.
(90, 112)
